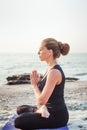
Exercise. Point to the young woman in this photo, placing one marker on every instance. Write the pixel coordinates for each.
(49, 92)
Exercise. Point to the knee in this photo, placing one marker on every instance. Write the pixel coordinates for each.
(22, 109)
(17, 122)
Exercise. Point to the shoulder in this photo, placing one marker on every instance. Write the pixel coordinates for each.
(55, 74)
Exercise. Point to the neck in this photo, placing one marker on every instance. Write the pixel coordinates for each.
(51, 63)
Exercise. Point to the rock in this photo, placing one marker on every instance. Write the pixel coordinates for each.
(25, 79)
(19, 79)
(71, 79)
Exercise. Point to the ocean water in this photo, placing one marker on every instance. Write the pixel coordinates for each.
(74, 65)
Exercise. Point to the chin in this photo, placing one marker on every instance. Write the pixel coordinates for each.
(41, 59)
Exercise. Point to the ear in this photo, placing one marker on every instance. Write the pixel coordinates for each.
(50, 52)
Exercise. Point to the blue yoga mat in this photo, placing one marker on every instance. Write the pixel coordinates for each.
(10, 125)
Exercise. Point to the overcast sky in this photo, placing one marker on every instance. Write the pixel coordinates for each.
(25, 23)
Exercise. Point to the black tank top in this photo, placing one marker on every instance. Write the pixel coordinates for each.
(56, 100)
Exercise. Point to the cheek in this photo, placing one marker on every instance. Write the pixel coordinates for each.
(43, 55)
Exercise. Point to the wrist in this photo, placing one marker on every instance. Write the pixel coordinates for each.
(34, 85)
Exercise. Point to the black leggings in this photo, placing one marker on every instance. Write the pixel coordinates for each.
(29, 120)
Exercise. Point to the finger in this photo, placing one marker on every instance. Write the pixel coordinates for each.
(34, 72)
(31, 76)
(35, 75)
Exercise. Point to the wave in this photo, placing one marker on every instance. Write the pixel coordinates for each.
(80, 74)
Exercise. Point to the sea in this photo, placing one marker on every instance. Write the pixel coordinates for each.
(73, 65)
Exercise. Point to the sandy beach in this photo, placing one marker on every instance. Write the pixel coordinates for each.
(12, 96)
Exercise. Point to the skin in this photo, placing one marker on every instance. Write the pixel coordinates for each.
(53, 76)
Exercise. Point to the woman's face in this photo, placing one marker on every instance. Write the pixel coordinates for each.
(43, 53)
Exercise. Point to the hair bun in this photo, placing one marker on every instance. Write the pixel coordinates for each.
(64, 48)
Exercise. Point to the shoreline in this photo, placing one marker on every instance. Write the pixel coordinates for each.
(12, 96)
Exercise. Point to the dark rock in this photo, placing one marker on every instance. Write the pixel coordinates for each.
(80, 126)
(14, 77)
(71, 79)
(20, 79)
(85, 119)
(25, 79)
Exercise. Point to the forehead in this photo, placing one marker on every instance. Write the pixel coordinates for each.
(42, 45)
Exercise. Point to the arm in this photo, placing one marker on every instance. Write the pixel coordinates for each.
(34, 77)
(42, 109)
(54, 77)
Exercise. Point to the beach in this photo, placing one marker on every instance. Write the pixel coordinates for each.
(12, 96)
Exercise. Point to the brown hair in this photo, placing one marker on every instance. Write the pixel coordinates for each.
(57, 47)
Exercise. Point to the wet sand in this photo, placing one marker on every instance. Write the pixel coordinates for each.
(12, 96)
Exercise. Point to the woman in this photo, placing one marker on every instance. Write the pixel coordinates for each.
(49, 92)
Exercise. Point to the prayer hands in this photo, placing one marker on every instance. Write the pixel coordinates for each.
(35, 78)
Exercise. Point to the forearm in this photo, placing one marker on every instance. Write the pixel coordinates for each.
(37, 93)
(42, 109)
(34, 82)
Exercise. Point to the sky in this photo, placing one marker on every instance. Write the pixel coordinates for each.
(25, 23)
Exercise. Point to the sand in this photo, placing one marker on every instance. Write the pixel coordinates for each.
(12, 96)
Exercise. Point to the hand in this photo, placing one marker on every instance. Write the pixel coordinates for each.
(34, 77)
(43, 111)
